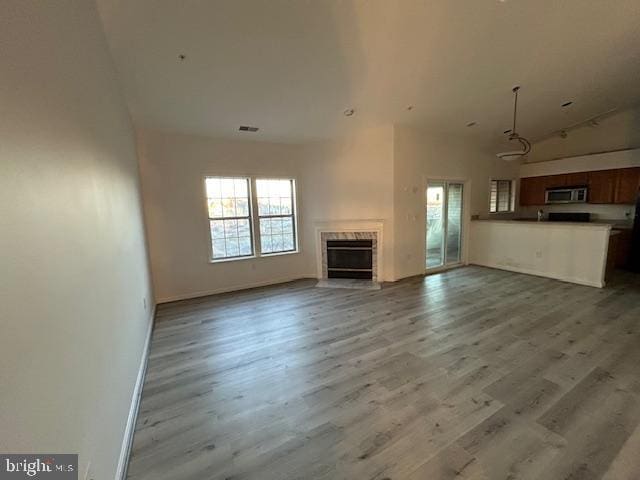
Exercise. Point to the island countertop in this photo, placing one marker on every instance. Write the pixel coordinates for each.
(546, 223)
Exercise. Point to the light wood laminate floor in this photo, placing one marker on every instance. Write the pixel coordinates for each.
(470, 374)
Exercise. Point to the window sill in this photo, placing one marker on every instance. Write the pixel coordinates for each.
(277, 254)
(252, 257)
(233, 259)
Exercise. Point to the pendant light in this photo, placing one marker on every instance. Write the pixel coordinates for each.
(513, 136)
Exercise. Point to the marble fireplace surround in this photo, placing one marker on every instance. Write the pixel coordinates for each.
(349, 230)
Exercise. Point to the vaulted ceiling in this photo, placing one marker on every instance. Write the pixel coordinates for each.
(291, 67)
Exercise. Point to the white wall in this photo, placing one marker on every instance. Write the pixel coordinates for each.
(173, 169)
(377, 174)
(569, 252)
(620, 130)
(419, 157)
(583, 163)
(73, 269)
(352, 179)
(345, 179)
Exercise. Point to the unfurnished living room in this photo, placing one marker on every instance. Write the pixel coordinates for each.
(320, 239)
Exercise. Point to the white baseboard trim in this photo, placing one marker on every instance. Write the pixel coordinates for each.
(247, 286)
(127, 441)
(536, 273)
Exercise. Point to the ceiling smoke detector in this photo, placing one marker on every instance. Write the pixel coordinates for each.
(514, 137)
(245, 128)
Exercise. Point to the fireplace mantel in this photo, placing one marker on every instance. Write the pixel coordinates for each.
(350, 226)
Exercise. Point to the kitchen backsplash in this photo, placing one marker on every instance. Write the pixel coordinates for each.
(598, 212)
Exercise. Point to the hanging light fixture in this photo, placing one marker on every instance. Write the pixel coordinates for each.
(513, 136)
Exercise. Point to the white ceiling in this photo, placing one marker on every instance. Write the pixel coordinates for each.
(291, 67)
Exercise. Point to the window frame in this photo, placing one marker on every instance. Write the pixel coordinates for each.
(249, 217)
(293, 215)
(512, 196)
(254, 217)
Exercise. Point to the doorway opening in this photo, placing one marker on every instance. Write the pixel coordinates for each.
(444, 224)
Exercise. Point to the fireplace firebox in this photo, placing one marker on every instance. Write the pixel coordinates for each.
(350, 259)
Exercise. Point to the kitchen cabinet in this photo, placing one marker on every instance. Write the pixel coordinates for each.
(532, 190)
(555, 181)
(605, 186)
(602, 186)
(612, 256)
(627, 185)
(578, 179)
(623, 247)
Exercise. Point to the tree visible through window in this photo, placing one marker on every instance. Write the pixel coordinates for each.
(276, 215)
(236, 204)
(229, 217)
(502, 196)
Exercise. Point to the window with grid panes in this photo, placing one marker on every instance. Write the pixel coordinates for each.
(229, 207)
(502, 196)
(276, 215)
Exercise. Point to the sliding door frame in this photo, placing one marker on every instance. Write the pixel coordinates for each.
(446, 181)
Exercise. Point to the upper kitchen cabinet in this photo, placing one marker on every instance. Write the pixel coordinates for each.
(627, 185)
(602, 186)
(578, 179)
(555, 181)
(532, 190)
(605, 186)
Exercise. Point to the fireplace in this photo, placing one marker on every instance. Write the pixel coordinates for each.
(350, 259)
(347, 252)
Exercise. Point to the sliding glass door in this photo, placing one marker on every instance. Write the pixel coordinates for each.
(444, 223)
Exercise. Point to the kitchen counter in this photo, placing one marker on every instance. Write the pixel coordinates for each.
(617, 224)
(574, 252)
(546, 223)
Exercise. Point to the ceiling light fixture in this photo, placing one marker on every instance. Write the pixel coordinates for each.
(349, 112)
(526, 145)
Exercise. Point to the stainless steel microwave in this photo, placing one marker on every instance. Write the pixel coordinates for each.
(566, 195)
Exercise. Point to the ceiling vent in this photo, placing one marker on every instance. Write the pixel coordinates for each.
(245, 128)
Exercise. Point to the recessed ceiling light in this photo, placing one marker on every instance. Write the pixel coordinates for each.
(182, 57)
(349, 112)
(471, 124)
(246, 128)
(566, 104)
(410, 107)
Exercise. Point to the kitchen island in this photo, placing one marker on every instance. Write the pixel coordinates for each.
(568, 251)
